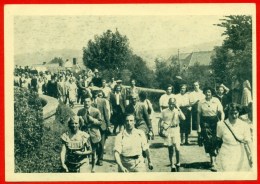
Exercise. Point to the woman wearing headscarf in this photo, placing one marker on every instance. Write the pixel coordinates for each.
(209, 112)
(246, 95)
(234, 154)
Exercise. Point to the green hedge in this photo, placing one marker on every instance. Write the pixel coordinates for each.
(28, 126)
(37, 142)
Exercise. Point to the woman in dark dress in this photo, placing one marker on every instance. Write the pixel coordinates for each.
(210, 112)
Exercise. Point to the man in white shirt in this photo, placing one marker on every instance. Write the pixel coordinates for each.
(163, 102)
(195, 97)
(170, 119)
(164, 99)
(129, 145)
(106, 90)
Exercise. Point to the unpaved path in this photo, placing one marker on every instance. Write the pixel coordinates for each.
(193, 157)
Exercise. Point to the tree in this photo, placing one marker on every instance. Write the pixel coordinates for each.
(107, 51)
(199, 73)
(111, 54)
(166, 72)
(144, 76)
(234, 57)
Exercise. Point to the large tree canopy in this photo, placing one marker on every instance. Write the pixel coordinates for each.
(107, 51)
(111, 54)
(234, 57)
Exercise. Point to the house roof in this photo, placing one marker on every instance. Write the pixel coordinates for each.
(68, 64)
(190, 59)
(185, 62)
(202, 57)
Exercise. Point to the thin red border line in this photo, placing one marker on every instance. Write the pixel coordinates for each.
(6, 2)
(121, 1)
(2, 153)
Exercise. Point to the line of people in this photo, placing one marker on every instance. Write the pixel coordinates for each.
(126, 112)
(207, 113)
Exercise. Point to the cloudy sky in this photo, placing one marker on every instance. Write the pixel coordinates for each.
(45, 33)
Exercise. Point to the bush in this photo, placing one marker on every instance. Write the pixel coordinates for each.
(28, 124)
(47, 158)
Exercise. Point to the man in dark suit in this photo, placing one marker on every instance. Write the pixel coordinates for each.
(34, 83)
(100, 104)
(90, 119)
(97, 80)
(118, 108)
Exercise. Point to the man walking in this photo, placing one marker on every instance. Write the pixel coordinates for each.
(170, 120)
(141, 115)
(129, 145)
(90, 118)
(101, 105)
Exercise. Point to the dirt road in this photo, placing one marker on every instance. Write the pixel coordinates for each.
(193, 157)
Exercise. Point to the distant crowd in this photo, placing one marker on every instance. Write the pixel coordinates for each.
(222, 118)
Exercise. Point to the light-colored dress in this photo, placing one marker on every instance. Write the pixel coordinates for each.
(246, 97)
(232, 155)
(40, 84)
(77, 142)
(72, 90)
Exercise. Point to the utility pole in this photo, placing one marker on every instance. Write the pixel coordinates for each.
(179, 59)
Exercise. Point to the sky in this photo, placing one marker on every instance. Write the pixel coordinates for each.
(46, 33)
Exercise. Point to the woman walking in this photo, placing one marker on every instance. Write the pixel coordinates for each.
(234, 154)
(76, 148)
(207, 117)
(183, 101)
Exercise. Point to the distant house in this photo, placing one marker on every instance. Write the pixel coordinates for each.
(40, 67)
(187, 60)
(73, 66)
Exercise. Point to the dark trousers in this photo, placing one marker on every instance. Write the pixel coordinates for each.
(185, 125)
(194, 112)
(208, 132)
(100, 149)
(79, 97)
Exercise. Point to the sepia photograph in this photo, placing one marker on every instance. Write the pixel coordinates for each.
(140, 92)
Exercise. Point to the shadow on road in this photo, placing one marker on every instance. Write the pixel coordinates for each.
(196, 165)
(110, 161)
(156, 145)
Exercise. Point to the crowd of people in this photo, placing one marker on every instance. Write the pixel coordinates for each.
(222, 119)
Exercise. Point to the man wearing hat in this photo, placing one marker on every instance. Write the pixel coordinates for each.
(97, 80)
